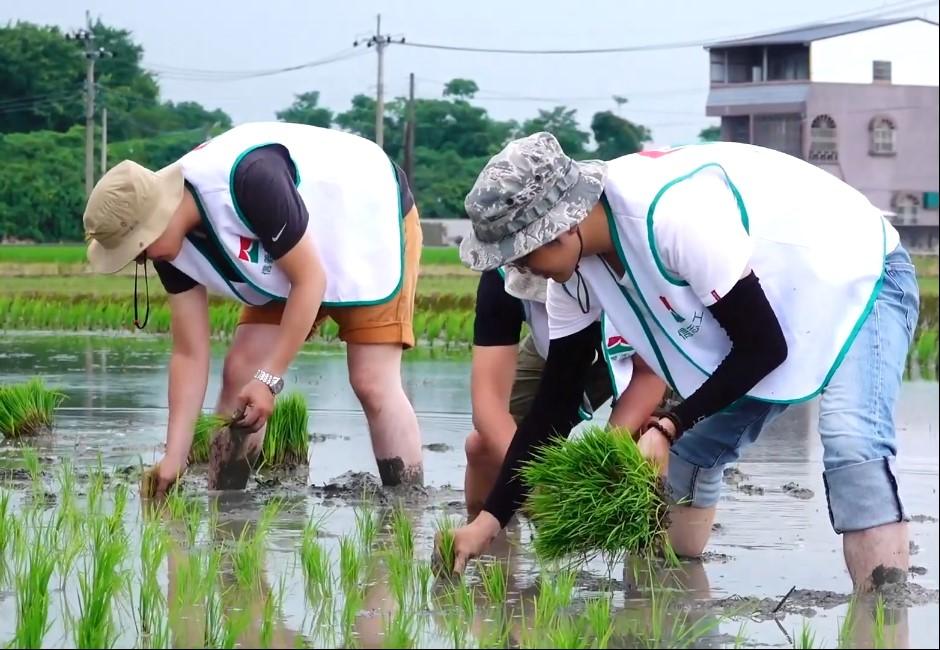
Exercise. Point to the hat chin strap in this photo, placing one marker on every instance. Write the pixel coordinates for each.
(137, 322)
(585, 304)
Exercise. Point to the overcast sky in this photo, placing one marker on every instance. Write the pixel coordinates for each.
(666, 89)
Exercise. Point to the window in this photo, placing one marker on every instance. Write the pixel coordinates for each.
(782, 132)
(905, 205)
(736, 128)
(823, 144)
(718, 66)
(882, 131)
(881, 71)
(788, 63)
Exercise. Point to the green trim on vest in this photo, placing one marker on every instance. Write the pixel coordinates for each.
(325, 303)
(615, 236)
(198, 246)
(649, 217)
(610, 369)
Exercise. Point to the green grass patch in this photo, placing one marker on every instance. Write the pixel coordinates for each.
(929, 286)
(286, 440)
(28, 408)
(42, 254)
(440, 255)
(595, 494)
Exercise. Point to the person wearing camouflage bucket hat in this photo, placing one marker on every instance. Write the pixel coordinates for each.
(748, 280)
(527, 195)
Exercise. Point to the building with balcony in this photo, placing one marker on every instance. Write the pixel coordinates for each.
(859, 99)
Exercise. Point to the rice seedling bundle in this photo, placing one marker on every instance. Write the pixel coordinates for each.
(595, 494)
(28, 408)
(286, 439)
(207, 425)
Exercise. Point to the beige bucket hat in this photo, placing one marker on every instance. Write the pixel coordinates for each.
(128, 209)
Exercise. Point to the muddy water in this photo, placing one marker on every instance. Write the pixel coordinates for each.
(772, 531)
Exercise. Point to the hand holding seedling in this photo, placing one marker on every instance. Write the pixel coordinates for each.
(257, 402)
(158, 480)
(468, 541)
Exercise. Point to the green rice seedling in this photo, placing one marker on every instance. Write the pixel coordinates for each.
(32, 592)
(878, 623)
(68, 504)
(315, 563)
(671, 625)
(207, 425)
(27, 409)
(495, 581)
(457, 629)
(33, 468)
(68, 546)
(400, 630)
(248, 557)
(399, 577)
(367, 527)
(153, 549)
(95, 490)
(597, 618)
(566, 633)
(847, 625)
(403, 533)
(350, 564)
(287, 438)
(445, 544)
(270, 608)
(351, 606)
(7, 533)
(741, 637)
(595, 494)
(465, 600)
(806, 638)
(98, 584)
(424, 576)
(187, 511)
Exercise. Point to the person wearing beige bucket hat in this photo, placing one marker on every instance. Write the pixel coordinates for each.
(298, 224)
(507, 371)
(748, 280)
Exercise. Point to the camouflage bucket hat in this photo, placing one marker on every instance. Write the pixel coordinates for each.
(527, 195)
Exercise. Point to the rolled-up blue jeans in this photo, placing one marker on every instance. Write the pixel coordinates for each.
(856, 419)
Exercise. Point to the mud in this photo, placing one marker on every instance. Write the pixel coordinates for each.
(753, 490)
(358, 486)
(914, 549)
(712, 556)
(439, 447)
(917, 570)
(797, 492)
(921, 519)
(229, 467)
(883, 576)
(393, 472)
(733, 476)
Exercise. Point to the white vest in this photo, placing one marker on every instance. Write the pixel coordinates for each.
(617, 352)
(350, 189)
(819, 249)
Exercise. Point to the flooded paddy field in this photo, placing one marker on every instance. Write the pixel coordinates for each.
(319, 557)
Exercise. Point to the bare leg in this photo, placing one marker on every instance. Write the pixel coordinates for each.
(375, 376)
(877, 556)
(689, 529)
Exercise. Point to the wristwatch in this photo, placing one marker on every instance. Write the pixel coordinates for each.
(274, 384)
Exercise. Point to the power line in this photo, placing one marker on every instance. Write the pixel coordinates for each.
(905, 5)
(197, 74)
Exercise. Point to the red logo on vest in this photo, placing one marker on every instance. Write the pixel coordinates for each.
(248, 249)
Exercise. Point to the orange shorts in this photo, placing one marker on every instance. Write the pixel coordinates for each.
(390, 322)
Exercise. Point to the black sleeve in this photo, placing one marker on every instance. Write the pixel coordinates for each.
(554, 412)
(499, 316)
(757, 348)
(267, 197)
(173, 280)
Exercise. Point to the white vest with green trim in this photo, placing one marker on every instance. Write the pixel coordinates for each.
(819, 250)
(350, 189)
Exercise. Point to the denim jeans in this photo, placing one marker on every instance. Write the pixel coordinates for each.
(856, 419)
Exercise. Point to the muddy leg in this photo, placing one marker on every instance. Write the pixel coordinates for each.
(878, 556)
(233, 452)
(375, 375)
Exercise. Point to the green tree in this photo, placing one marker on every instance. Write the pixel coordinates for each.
(462, 88)
(710, 134)
(561, 123)
(616, 136)
(41, 76)
(306, 109)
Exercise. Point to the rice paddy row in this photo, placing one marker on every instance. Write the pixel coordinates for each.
(440, 319)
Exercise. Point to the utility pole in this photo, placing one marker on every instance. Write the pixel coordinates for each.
(410, 132)
(104, 139)
(92, 54)
(380, 42)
